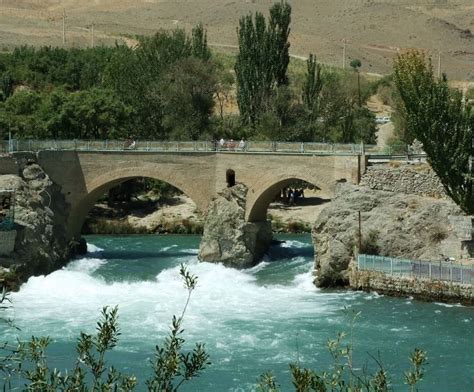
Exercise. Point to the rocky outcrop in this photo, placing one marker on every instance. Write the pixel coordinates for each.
(392, 224)
(40, 216)
(418, 179)
(227, 237)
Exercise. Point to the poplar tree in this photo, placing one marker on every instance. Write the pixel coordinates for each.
(312, 87)
(279, 30)
(438, 118)
(262, 61)
(200, 49)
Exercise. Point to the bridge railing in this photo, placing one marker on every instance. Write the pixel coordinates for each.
(434, 270)
(201, 146)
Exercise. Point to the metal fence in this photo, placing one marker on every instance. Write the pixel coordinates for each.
(201, 146)
(434, 270)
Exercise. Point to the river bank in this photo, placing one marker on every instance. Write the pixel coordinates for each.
(178, 215)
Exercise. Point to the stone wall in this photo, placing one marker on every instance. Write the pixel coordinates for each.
(424, 289)
(417, 179)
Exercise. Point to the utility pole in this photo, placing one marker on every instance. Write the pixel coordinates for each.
(64, 27)
(360, 233)
(344, 53)
(92, 31)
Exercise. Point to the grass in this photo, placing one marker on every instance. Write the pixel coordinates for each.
(119, 227)
(290, 226)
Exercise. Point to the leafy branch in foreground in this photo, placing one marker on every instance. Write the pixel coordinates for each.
(342, 376)
(171, 368)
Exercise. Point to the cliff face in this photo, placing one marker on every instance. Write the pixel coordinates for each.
(392, 224)
(227, 238)
(40, 215)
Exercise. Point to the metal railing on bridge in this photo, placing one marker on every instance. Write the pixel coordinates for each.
(434, 270)
(202, 146)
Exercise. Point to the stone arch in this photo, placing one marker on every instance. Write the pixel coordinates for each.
(257, 204)
(100, 184)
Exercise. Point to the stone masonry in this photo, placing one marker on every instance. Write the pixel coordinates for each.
(417, 179)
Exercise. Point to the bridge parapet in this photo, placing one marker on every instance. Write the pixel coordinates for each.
(310, 148)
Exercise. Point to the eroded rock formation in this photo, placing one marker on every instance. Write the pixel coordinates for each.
(393, 224)
(40, 215)
(227, 237)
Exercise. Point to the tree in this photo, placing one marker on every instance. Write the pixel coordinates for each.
(140, 75)
(279, 31)
(438, 118)
(262, 61)
(355, 65)
(188, 98)
(312, 87)
(7, 85)
(199, 43)
(224, 88)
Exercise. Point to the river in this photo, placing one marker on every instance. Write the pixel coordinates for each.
(252, 321)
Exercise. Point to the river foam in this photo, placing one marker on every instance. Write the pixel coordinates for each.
(72, 297)
(251, 320)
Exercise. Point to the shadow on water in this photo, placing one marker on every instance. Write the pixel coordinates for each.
(137, 254)
(280, 251)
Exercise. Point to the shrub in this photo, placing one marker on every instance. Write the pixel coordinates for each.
(369, 244)
(437, 234)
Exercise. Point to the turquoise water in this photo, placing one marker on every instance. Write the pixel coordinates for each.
(252, 321)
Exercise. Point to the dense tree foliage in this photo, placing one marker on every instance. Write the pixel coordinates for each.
(438, 118)
(170, 86)
(262, 61)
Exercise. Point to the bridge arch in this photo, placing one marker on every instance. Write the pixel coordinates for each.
(258, 203)
(103, 182)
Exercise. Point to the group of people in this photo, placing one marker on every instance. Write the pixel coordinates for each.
(230, 145)
(130, 144)
(291, 196)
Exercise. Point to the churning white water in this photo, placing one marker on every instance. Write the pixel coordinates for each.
(251, 320)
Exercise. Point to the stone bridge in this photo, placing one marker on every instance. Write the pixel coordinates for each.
(85, 175)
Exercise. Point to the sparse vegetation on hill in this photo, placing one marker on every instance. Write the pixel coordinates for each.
(373, 30)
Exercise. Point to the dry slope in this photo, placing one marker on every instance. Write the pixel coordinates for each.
(374, 29)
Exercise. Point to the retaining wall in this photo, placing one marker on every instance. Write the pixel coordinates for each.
(412, 179)
(399, 286)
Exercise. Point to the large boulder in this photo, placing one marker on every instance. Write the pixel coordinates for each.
(227, 237)
(392, 224)
(41, 214)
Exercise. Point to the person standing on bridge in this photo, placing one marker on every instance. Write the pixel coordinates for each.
(242, 145)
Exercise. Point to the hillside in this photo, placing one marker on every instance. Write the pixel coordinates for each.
(374, 29)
